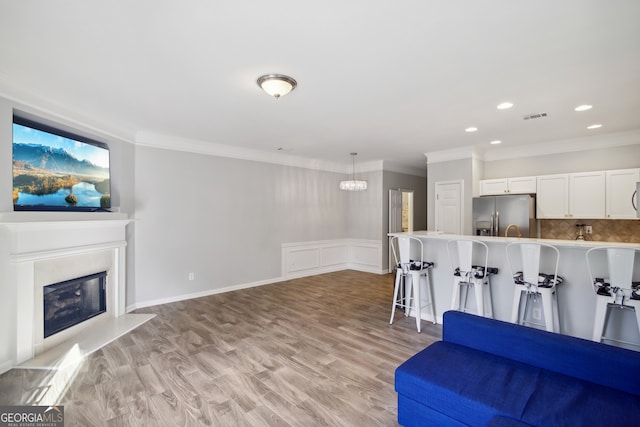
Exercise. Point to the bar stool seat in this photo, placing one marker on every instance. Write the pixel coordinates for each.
(468, 275)
(615, 289)
(532, 284)
(411, 272)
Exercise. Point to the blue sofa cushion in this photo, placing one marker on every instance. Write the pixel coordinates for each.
(466, 384)
(602, 364)
(500, 421)
(560, 400)
(477, 388)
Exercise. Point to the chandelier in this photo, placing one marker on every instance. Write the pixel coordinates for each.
(353, 184)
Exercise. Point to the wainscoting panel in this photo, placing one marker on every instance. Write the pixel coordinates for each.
(365, 255)
(333, 255)
(310, 258)
(303, 259)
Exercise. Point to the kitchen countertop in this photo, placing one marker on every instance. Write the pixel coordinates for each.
(499, 239)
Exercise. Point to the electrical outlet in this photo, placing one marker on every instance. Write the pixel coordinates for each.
(536, 314)
(192, 276)
(588, 229)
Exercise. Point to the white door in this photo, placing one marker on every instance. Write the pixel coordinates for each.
(395, 219)
(400, 215)
(448, 206)
(395, 211)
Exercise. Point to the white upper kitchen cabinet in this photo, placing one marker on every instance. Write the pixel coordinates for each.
(518, 185)
(587, 195)
(574, 195)
(620, 186)
(552, 199)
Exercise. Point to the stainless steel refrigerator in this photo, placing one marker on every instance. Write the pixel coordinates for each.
(492, 215)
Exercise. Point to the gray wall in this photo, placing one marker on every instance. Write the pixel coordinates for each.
(225, 219)
(452, 170)
(364, 214)
(8, 292)
(623, 157)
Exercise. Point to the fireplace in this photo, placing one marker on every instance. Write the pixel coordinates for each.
(38, 249)
(74, 301)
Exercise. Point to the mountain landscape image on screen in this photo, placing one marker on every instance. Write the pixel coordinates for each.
(50, 176)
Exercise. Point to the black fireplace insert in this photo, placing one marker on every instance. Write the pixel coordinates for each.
(73, 301)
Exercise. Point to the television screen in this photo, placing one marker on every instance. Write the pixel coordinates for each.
(56, 170)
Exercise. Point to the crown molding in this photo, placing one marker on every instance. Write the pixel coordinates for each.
(592, 142)
(41, 109)
(156, 140)
(459, 153)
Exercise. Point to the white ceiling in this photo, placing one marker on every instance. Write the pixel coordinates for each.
(388, 79)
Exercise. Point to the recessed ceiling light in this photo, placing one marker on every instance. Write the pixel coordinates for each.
(583, 107)
(495, 142)
(471, 129)
(505, 106)
(596, 126)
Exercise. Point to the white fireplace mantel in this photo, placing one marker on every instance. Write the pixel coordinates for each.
(49, 245)
(31, 236)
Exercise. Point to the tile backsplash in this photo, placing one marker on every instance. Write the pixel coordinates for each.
(604, 230)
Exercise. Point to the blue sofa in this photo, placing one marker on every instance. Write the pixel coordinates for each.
(487, 372)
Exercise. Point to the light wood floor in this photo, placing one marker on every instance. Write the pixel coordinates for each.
(316, 351)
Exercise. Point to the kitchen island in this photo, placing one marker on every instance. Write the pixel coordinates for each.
(576, 297)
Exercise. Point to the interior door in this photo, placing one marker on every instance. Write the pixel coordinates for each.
(400, 215)
(448, 206)
(395, 220)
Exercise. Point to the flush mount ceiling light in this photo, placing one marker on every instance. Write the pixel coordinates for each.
(353, 184)
(583, 107)
(504, 106)
(277, 85)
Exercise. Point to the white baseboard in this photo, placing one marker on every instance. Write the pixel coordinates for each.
(208, 292)
(6, 365)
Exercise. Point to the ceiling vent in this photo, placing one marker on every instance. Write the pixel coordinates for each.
(534, 116)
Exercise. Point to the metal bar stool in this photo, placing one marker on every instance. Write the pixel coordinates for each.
(466, 274)
(529, 281)
(410, 273)
(615, 288)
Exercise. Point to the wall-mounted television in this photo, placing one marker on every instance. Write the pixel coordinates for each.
(54, 170)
